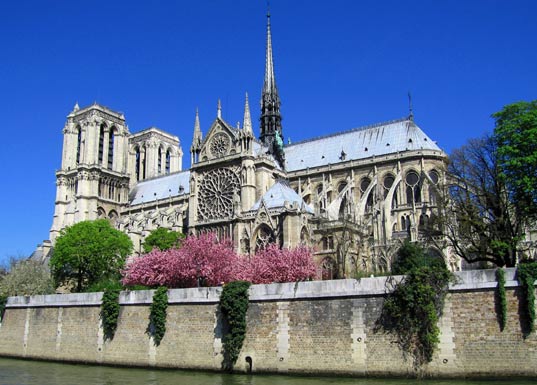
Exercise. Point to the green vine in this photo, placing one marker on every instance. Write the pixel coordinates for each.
(157, 316)
(3, 301)
(234, 304)
(412, 310)
(500, 277)
(527, 275)
(110, 312)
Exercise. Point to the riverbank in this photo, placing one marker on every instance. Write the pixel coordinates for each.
(323, 327)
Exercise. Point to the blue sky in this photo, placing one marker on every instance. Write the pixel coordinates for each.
(339, 64)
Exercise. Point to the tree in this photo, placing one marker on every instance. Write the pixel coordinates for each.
(88, 252)
(411, 256)
(26, 277)
(162, 239)
(201, 261)
(516, 138)
(477, 215)
(273, 264)
(205, 261)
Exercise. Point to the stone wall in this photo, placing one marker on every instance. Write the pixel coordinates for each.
(310, 327)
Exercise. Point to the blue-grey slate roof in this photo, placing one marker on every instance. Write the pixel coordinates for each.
(359, 143)
(161, 187)
(278, 194)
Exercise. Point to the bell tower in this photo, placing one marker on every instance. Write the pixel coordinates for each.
(93, 181)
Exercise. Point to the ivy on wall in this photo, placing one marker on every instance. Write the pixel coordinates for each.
(502, 299)
(412, 310)
(527, 275)
(234, 304)
(157, 316)
(3, 301)
(110, 312)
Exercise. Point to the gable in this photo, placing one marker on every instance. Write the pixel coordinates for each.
(220, 141)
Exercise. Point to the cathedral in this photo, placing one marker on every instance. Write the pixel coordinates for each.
(353, 196)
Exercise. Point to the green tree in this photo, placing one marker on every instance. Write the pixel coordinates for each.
(88, 252)
(411, 256)
(516, 138)
(26, 277)
(163, 239)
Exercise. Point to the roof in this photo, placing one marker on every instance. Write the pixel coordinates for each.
(160, 188)
(280, 195)
(360, 143)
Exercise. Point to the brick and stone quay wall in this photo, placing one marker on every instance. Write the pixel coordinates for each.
(323, 327)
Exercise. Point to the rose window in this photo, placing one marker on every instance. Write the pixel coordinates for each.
(218, 189)
(219, 144)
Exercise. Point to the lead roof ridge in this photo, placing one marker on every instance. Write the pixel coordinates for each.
(362, 128)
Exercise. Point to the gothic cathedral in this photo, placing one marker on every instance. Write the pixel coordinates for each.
(353, 196)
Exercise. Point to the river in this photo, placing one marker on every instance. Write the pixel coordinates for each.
(21, 372)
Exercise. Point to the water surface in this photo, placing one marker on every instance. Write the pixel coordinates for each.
(22, 372)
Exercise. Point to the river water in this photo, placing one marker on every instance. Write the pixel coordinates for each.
(21, 372)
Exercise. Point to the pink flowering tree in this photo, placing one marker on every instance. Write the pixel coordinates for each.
(204, 261)
(200, 261)
(273, 264)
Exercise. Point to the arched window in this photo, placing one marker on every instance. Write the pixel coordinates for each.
(159, 164)
(413, 190)
(388, 183)
(137, 163)
(111, 139)
(78, 144)
(168, 161)
(101, 143)
(264, 236)
(364, 184)
(343, 209)
(304, 236)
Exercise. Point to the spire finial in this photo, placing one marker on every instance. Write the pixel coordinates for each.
(247, 122)
(197, 130)
(271, 120)
(410, 111)
(76, 107)
(219, 109)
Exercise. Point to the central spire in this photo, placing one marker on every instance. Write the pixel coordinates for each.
(271, 120)
(270, 81)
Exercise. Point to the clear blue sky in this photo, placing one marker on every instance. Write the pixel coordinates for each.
(339, 64)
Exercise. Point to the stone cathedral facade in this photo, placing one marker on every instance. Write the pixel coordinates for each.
(353, 196)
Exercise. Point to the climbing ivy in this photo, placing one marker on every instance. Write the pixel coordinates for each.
(502, 299)
(157, 316)
(412, 310)
(234, 304)
(3, 301)
(110, 312)
(527, 275)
